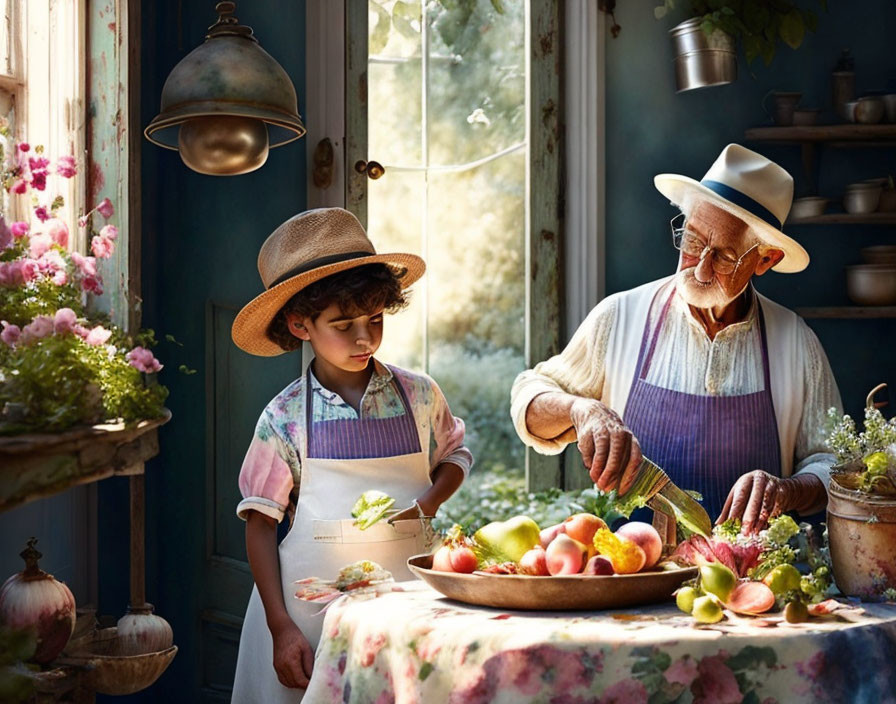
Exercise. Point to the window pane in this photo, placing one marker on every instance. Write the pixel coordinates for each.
(446, 101)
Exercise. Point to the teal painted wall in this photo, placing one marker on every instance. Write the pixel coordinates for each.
(651, 130)
(201, 236)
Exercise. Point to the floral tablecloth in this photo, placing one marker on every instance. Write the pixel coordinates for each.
(415, 646)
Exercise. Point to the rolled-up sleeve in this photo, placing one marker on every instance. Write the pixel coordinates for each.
(579, 369)
(266, 477)
(447, 434)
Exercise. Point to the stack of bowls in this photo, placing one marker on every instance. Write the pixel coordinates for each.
(873, 283)
(807, 207)
(863, 197)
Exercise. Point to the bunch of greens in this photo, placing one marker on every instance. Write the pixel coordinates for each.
(371, 507)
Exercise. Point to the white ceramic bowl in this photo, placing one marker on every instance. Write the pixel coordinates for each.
(808, 207)
(861, 198)
(871, 284)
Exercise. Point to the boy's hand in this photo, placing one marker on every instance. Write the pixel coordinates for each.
(293, 656)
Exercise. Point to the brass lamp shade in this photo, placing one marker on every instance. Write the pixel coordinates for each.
(234, 99)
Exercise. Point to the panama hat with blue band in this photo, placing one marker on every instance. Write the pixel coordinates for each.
(751, 187)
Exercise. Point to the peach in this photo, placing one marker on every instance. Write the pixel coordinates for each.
(534, 562)
(583, 526)
(441, 560)
(565, 555)
(599, 565)
(646, 537)
(551, 532)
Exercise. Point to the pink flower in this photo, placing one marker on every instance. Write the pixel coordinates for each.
(19, 187)
(50, 262)
(629, 691)
(716, 683)
(102, 247)
(58, 230)
(38, 163)
(24, 146)
(10, 334)
(65, 166)
(110, 232)
(19, 229)
(683, 671)
(92, 284)
(80, 330)
(19, 272)
(64, 321)
(41, 213)
(98, 336)
(39, 180)
(105, 208)
(40, 244)
(82, 221)
(60, 277)
(87, 265)
(40, 327)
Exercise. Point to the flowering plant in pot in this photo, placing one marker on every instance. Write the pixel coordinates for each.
(757, 24)
(61, 364)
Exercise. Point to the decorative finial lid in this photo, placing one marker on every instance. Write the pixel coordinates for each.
(227, 24)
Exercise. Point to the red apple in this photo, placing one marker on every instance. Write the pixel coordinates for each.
(462, 559)
(534, 562)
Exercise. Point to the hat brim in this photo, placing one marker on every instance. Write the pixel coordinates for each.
(250, 327)
(675, 187)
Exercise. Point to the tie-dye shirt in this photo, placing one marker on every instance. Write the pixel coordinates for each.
(271, 473)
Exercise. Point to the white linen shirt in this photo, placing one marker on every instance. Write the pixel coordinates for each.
(600, 361)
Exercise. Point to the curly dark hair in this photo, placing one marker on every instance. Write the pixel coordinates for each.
(357, 291)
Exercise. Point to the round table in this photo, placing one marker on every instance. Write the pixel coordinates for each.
(413, 645)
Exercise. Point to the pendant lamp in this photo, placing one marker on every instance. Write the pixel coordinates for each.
(226, 103)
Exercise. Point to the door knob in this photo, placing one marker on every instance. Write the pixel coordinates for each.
(373, 169)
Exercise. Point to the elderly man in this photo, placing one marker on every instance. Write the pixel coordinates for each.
(724, 389)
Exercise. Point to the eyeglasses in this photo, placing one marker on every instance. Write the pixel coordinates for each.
(689, 244)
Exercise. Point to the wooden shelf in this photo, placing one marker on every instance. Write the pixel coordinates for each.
(847, 219)
(854, 135)
(38, 465)
(855, 312)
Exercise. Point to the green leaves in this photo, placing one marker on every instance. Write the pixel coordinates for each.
(792, 28)
(371, 507)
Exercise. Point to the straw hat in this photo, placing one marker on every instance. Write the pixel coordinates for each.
(751, 187)
(305, 249)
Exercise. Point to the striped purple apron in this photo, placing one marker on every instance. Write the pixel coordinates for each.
(351, 439)
(704, 443)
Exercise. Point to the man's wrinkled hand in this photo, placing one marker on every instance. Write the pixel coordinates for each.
(755, 497)
(609, 451)
(293, 657)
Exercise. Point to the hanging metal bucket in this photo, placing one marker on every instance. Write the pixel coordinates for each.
(702, 61)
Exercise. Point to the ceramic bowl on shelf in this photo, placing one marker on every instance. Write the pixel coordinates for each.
(807, 207)
(871, 284)
(879, 254)
(861, 198)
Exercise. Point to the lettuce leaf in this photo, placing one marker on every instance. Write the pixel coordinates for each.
(371, 507)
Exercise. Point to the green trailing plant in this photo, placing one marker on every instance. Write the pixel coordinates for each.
(759, 25)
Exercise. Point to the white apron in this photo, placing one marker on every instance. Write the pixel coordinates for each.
(322, 539)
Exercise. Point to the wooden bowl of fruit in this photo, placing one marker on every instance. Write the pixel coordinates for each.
(576, 565)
